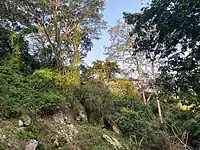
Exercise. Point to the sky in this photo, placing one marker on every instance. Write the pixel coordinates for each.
(113, 12)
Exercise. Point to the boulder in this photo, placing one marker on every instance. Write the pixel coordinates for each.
(26, 120)
(31, 145)
(62, 118)
(113, 141)
(81, 114)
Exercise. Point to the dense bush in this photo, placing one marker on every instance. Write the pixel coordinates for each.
(95, 96)
(26, 94)
(138, 122)
(185, 123)
(132, 116)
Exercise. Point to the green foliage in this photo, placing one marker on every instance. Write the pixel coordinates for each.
(95, 96)
(26, 135)
(33, 131)
(14, 48)
(138, 123)
(168, 29)
(40, 132)
(185, 121)
(91, 138)
(101, 70)
(119, 86)
(5, 47)
(133, 117)
(27, 94)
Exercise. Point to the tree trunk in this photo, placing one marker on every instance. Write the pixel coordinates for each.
(75, 59)
(140, 79)
(154, 87)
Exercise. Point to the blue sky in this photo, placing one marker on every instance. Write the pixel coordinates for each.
(112, 13)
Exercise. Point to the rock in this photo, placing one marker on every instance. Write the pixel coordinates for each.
(31, 145)
(56, 142)
(62, 118)
(67, 119)
(66, 127)
(115, 129)
(72, 132)
(59, 118)
(21, 124)
(68, 131)
(4, 137)
(26, 120)
(113, 141)
(81, 114)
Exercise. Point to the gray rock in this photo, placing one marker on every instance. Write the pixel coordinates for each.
(68, 119)
(21, 124)
(62, 118)
(113, 141)
(82, 115)
(59, 118)
(26, 120)
(31, 145)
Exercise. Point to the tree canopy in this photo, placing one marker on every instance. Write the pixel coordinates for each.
(172, 28)
(145, 94)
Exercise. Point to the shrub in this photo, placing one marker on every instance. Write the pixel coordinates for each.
(95, 96)
(136, 121)
(26, 94)
(184, 121)
(132, 117)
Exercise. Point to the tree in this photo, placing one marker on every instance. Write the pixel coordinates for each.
(12, 13)
(145, 39)
(63, 25)
(13, 45)
(102, 70)
(5, 47)
(66, 27)
(123, 50)
(177, 42)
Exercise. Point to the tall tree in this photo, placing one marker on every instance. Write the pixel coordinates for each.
(177, 42)
(123, 50)
(145, 39)
(66, 27)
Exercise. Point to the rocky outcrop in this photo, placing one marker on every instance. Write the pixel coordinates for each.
(113, 141)
(31, 145)
(58, 131)
(67, 128)
(61, 118)
(81, 114)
